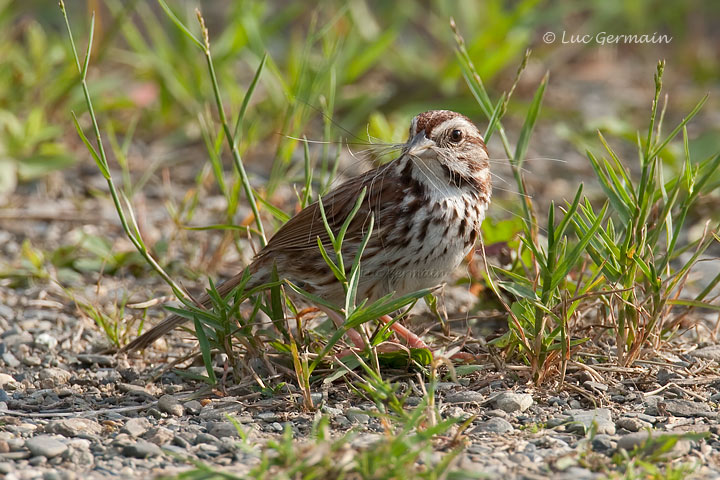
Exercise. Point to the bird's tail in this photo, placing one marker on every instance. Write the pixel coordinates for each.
(174, 321)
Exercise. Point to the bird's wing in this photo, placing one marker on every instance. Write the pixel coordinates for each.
(300, 233)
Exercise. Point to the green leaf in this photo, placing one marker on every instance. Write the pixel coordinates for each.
(246, 99)
(100, 163)
(180, 25)
(530, 119)
(205, 350)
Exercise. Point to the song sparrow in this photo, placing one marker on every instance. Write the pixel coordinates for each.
(428, 205)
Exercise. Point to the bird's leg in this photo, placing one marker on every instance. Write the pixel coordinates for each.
(338, 320)
(412, 340)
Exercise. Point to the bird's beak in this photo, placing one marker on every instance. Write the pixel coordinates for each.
(419, 144)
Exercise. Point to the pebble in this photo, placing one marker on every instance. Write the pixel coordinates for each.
(73, 427)
(46, 340)
(632, 440)
(581, 421)
(10, 360)
(203, 437)
(193, 407)
(141, 449)
(171, 405)
(595, 386)
(159, 435)
(685, 408)
(513, 402)
(603, 443)
(222, 429)
(136, 427)
(99, 360)
(53, 377)
(268, 417)
(6, 379)
(357, 417)
(632, 424)
(467, 396)
(316, 398)
(711, 352)
(130, 388)
(494, 425)
(46, 445)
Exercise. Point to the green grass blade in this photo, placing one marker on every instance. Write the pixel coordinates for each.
(248, 95)
(178, 23)
(530, 119)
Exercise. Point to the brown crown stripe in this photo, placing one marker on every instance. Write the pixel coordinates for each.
(429, 120)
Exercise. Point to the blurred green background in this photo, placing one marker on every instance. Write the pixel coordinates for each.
(338, 69)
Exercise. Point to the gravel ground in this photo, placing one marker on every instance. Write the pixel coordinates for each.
(66, 412)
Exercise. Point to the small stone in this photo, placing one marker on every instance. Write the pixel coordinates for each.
(496, 412)
(579, 473)
(205, 438)
(100, 360)
(641, 416)
(581, 421)
(45, 445)
(208, 448)
(602, 443)
(136, 427)
(557, 421)
(316, 398)
(39, 460)
(6, 379)
(155, 413)
(193, 407)
(467, 396)
(557, 401)
(595, 386)
(632, 424)
(10, 360)
(31, 361)
(5, 468)
(73, 427)
(171, 405)
(332, 411)
(513, 402)
(222, 429)
(130, 388)
(180, 442)
(159, 435)
(707, 353)
(685, 408)
(357, 417)
(413, 401)
(664, 376)
(277, 426)
(53, 377)
(46, 340)
(494, 425)
(653, 441)
(268, 417)
(141, 449)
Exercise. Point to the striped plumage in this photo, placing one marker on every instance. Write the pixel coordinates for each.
(428, 205)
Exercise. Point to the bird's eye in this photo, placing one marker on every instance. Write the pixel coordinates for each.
(456, 135)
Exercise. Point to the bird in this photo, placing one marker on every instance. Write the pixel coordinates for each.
(427, 205)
